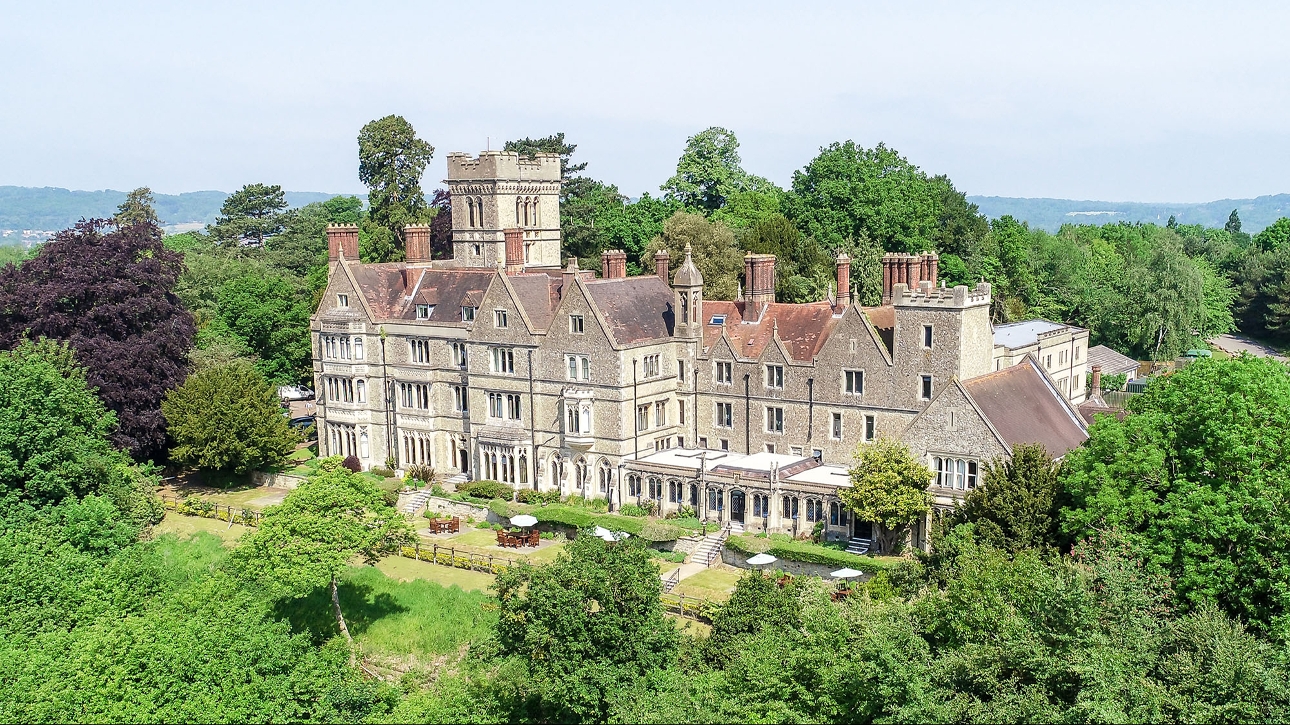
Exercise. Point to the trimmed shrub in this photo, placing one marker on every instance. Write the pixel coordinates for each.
(486, 490)
(530, 496)
(785, 547)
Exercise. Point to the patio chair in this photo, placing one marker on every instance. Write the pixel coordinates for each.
(534, 538)
(454, 526)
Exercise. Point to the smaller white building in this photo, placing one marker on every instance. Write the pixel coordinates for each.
(1061, 349)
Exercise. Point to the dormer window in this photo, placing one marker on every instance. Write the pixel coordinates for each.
(718, 320)
(342, 300)
(499, 318)
(424, 311)
(468, 314)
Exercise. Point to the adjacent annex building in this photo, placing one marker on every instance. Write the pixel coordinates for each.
(499, 364)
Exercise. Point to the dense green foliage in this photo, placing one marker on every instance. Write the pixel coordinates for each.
(712, 246)
(1016, 505)
(251, 214)
(227, 418)
(391, 160)
(889, 488)
(1198, 478)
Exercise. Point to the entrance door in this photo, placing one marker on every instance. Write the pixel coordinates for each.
(861, 529)
(737, 506)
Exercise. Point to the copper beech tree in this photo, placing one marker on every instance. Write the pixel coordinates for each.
(108, 291)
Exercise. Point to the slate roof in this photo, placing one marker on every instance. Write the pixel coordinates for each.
(539, 294)
(1112, 362)
(803, 328)
(636, 309)
(1025, 407)
(393, 290)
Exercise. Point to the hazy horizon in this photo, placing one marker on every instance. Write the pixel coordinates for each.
(1176, 103)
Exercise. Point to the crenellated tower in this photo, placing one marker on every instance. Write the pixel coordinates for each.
(500, 190)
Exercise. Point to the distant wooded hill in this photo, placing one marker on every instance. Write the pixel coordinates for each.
(1050, 214)
(50, 209)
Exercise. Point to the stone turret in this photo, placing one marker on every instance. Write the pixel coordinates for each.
(687, 291)
(501, 190)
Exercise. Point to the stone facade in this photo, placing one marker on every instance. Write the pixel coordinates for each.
(500, 365)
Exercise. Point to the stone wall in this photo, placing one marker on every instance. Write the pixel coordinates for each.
(796, 568)
(462, 510)
(276, 480)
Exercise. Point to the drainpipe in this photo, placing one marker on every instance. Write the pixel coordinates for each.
(636, 429)
(747, 416)
(694, 408)
(532, 425)
(810, 408)
(391, 431)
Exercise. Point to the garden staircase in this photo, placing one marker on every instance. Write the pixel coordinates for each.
(709, 550)
(859, 546)
(414, 502)
(671, 580)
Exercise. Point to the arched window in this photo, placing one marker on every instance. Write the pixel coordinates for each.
(685, 307)
(694, 307)
(694, 494)
(363, 446)
(360, 388)
(557, 472)
(358, 348)
(606, 477)
(528, 209)
(524, 468)
(519, 210)
(479, 204)
(535, 212)
(470, 208)
(634, 486)
(580, 472)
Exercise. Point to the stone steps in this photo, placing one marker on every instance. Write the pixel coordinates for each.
(859, 546)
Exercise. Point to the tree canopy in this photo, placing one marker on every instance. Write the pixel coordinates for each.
(227, 418)
(251, 214)
(713, 249)
(120, 313)
(709, 172)
(391, 161)
(889, 488)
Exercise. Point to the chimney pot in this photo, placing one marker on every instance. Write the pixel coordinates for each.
(662, 261)
(844, 279)
(613, 264)
(416, 243)
(1097, 380)
(342, 239)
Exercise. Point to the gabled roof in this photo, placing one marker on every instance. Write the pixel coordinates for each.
(393, 290)
(1112, 362)
(635, 309)
(803, 328)
(1024, 406)
(539, 294)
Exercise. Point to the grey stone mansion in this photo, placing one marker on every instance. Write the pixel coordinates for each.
(499, 364)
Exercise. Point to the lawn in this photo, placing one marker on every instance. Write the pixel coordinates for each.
(484, 541)
(405, 569)
(185, 527)
(711, 583)
(404, 623)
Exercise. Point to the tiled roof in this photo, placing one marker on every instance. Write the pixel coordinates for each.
(1025, 407)
(539, 295)
(1112, 362)
(636, 308)
(881, 317)
(394, 290)
(803, 328)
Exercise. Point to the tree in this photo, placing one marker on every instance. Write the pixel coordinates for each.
(708, 172)
(119, 312)
(803, 271)
(266, 312)
(312, 536)
(1275, 236)
(758, 603)
(889, 488)
(1233, 225)
(391, 160)
(531, 147)
(251, 213)
(1016, 505)
(227, 418)
(713, 248)
(850, 192)
(441, 224)
(53, 430)
(583, 628)
(138, 208)
(1197, 477)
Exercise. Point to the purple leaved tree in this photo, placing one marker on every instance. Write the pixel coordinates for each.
(108, 292)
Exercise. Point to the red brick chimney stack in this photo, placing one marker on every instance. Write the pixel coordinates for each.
(662, 262)
(613, 264)
(1097, 380)
(514, 250)
(342, 239)
(416, 243)
(759, 278)
(844, 279)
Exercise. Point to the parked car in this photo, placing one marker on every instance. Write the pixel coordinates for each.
(295, 392)
(305, 424)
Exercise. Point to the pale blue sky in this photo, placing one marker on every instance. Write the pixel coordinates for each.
(1143, 102)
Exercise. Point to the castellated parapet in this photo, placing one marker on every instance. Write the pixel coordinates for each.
(503, 166)
(927, 294)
